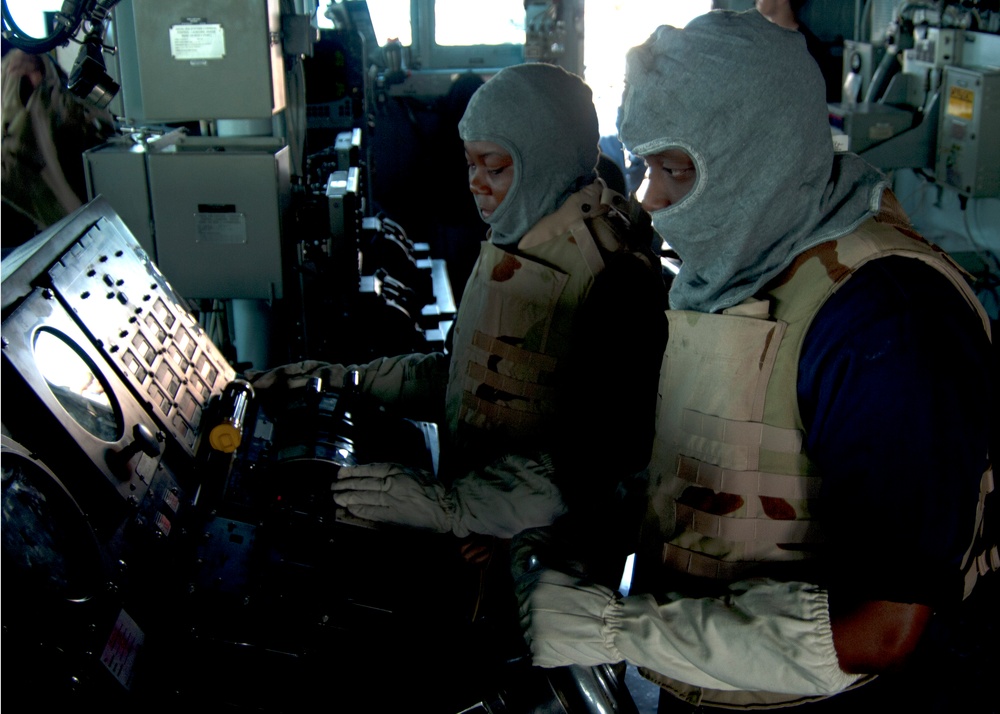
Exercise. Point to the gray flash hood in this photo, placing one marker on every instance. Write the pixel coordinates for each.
(744, 98)
(544, 117)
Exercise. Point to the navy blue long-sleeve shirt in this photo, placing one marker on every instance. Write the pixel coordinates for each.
(898, 397)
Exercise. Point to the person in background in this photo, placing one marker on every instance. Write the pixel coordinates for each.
(547, 395)
(822, 446)
(46, 129)
(786, 13)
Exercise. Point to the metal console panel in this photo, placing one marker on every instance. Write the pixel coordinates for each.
(91, 283)
(61, 366)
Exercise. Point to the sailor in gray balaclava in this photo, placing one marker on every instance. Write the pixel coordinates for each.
(755, 125)
(823, 409)
(544, 117)
(556, 296)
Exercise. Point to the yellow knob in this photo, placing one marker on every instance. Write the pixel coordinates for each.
(225, 438)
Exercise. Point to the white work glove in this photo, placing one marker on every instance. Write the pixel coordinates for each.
(763, 636)
(392, 493)
(503, 498)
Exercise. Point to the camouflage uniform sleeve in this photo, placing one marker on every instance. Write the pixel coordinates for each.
(412, 383)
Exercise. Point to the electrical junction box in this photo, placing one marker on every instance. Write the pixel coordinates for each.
(220, 207)
(117, 171)
(212, 210)
(968, 155)
(937, 46)
(191, 60)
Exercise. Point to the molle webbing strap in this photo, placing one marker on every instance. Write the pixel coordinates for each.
(535, 360)
(766, 530)
(588, 247)
(748, 483)
(508, 385)
(692, 562)
(985, 562)
(981, 557)
(742, 433)
(512, 412)
(702, 566)
(743, 446)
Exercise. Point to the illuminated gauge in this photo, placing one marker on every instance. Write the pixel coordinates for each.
(76, 384)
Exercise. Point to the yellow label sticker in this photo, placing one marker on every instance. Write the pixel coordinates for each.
(961, 102)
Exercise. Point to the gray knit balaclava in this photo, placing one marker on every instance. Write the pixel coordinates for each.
(544, 117)
(743, 97)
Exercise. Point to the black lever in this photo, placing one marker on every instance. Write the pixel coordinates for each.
(143, 440)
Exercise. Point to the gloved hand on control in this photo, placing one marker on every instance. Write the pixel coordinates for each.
(415, 382)
(393, 493)
(298, 374)
(501, 499)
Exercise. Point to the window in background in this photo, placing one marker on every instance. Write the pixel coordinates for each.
(30, 15)
(611, 28)
(390, 18)
(460, 22)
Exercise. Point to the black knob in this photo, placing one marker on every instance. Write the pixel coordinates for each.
(143, 440)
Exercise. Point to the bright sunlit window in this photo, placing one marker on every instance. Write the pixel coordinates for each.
(30, 15)
(612, 27)
(461, 22)
(390, 19)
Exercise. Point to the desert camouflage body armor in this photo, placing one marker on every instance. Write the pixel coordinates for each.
(732, 493)
(517, 317)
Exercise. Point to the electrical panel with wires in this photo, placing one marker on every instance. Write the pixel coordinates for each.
(968, 157)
